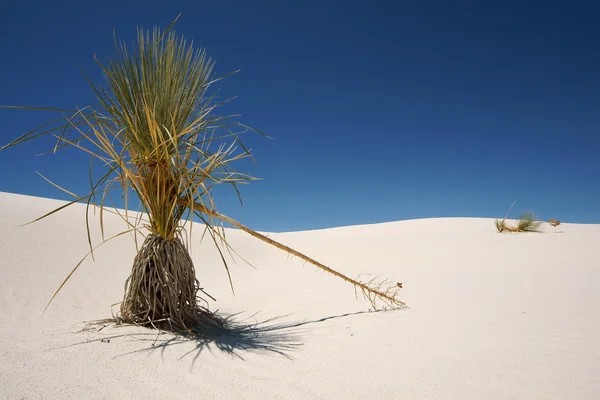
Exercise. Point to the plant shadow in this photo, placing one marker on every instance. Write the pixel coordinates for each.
(237, 338)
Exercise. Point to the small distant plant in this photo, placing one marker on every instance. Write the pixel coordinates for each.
(500, 225)
(554, 222)
(527, 223)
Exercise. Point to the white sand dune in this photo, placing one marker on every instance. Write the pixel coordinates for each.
(491, 316)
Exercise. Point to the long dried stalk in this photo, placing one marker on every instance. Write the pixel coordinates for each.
(372, 290)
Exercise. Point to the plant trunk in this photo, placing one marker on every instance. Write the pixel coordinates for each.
(162, 291)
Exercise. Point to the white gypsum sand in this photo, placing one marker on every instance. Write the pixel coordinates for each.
(492, 316)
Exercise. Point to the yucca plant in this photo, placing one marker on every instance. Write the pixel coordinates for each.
(527, 222)
(500, 225)
(554, 222)
(157, 134)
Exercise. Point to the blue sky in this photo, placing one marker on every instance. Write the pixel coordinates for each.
(379, 111)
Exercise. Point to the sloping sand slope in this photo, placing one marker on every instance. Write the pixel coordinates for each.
(491, 316)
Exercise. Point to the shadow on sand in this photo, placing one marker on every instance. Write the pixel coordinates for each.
(270, 336)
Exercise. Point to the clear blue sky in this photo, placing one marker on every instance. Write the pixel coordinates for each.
(380, 111)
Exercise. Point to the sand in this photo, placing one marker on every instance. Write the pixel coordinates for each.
(492, 316)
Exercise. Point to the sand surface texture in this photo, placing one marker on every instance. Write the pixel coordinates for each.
(492, 316)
